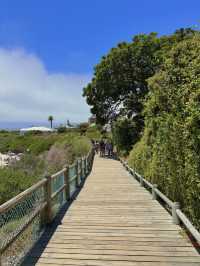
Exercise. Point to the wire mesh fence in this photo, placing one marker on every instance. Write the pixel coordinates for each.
(21, 225)
(58, 201)
(72, 178)
(23, 218)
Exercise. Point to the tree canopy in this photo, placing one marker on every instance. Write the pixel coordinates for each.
(119, 84)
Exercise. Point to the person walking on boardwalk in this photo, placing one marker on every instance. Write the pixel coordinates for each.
(96, 147)
(107, 147)
(110, 149)
(102, 148)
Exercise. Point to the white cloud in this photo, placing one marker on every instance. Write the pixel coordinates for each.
(29, 93)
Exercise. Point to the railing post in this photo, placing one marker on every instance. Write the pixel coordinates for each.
(88, 163)
(84, 163)
(76, 170)
(141, 181)
(154, 195)
(67, 183)
(86, 166)
(49, 214)
(82, 169)
(175, 218)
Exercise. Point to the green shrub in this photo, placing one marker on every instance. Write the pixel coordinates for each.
(12, 182)
(62, 129)
(42, 154)
(83, 128)
(93, 133)
(169, 152)
(125, 134)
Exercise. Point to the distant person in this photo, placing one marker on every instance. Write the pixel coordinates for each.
(102, 148)
(110, 149)
(107, 146)
(96, 147)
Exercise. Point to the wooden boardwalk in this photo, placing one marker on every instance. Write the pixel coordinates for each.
(115, 222)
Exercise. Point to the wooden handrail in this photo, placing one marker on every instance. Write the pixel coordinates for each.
(46, 208)
(177, 214)
(164, 198)
(12, 202)
(58, 173)
(188, 225)
(72, 165)
(58, 191)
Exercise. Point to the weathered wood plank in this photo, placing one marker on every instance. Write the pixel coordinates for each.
(115, 222)
(72, 262)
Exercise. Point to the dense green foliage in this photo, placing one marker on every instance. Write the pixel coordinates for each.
(119, 85)
(119, 82)
(93, 132)
(83, 127)
(34, 143)
(125, 135)
(42, 154)
(150, 90)
(118, 90)
(169, 151)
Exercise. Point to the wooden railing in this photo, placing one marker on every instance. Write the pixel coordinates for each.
(174, 207)
(24, 217)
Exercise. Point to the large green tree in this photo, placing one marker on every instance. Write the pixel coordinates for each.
(119, 84)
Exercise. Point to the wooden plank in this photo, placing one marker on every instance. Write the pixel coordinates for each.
(115, 222)
(121, 247)
(112, 251)
(56, 262)
(120, 257)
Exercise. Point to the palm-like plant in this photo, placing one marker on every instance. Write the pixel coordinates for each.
(50, 119)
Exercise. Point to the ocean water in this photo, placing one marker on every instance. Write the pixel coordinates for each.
(18, 125)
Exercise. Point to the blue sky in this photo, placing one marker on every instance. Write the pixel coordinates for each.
(72, 35)
(67, 38)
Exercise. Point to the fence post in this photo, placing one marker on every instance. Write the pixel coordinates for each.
(49, 214)
(82, 169)
(86, 166)
(88, 163)
(76, 170)
(175, 218)
(141, 181)
(67, 183)
(84, 163)
(154, 195)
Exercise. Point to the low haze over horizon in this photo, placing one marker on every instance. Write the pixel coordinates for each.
(48, 50)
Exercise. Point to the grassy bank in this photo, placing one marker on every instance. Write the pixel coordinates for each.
(42, 154)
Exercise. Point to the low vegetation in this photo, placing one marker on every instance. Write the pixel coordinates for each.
(42, 154)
